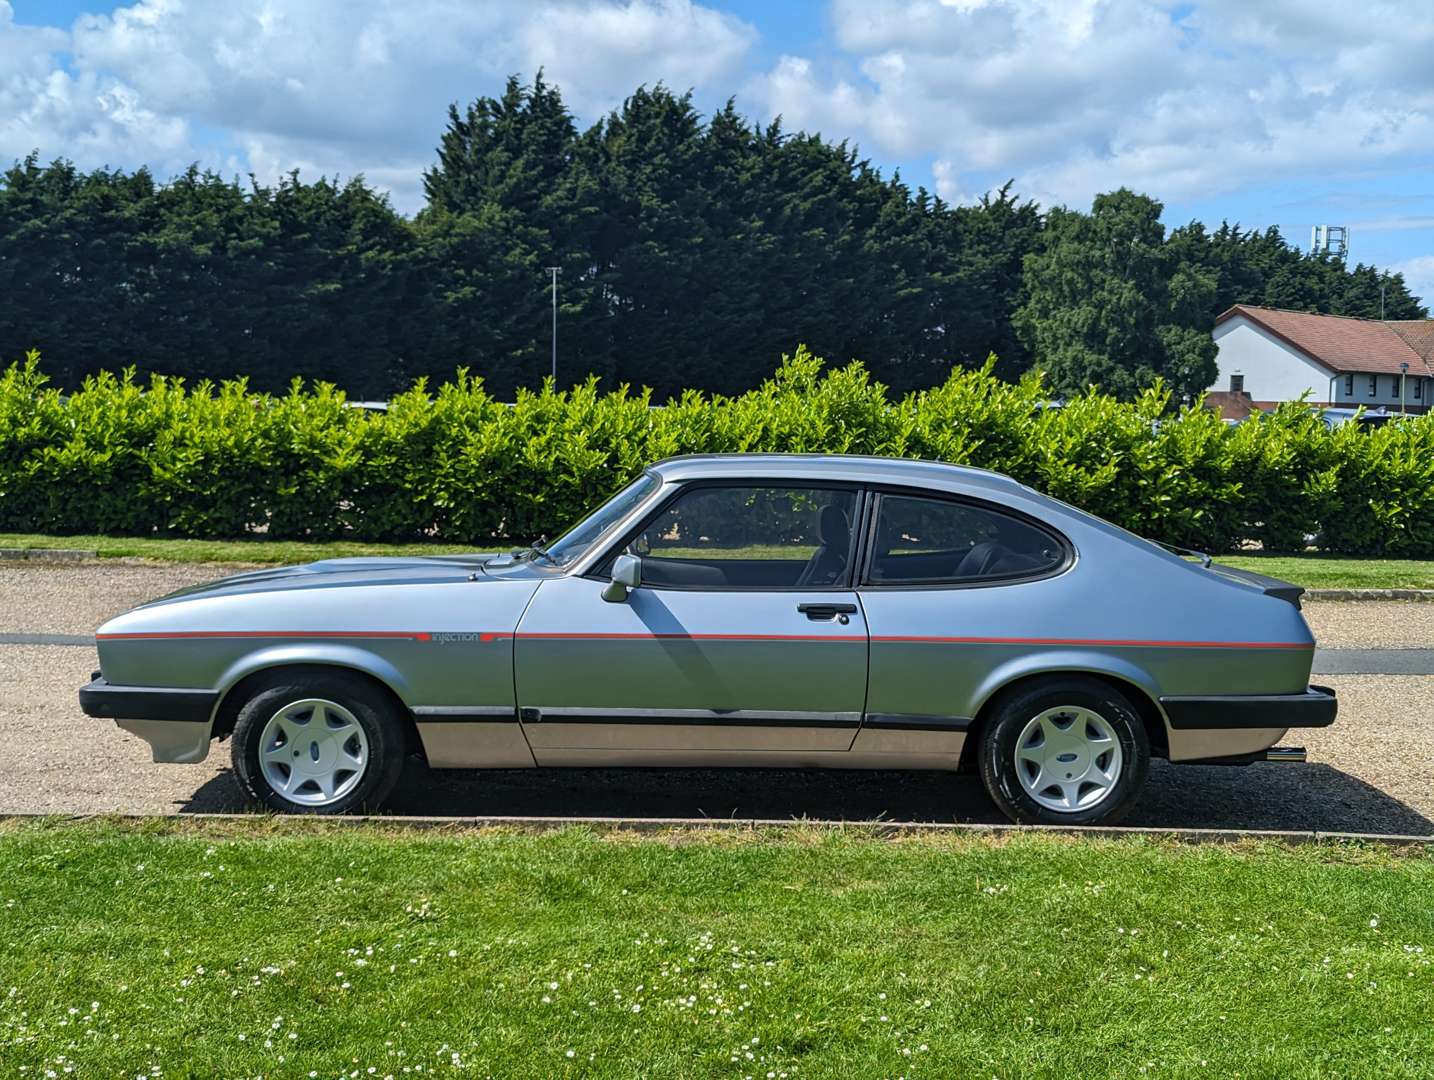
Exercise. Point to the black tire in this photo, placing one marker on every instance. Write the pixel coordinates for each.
(1014, 711)
(371, 708)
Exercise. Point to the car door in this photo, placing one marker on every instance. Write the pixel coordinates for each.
(745, 633)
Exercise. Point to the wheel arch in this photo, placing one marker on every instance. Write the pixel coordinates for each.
(256, 667)
(1122, 676)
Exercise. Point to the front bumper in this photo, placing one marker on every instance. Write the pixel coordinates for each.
(1316, 707)
(100, 699)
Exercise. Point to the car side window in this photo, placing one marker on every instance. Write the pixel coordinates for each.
(749, 537)
(936, 541)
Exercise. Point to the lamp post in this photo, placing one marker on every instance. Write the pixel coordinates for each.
(554, 271)
(1403, 375)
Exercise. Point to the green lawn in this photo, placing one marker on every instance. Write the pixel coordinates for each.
(299, 949)
(1337, 572)
(1311, 571)
(203, 551)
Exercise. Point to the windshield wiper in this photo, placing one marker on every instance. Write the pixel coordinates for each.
(538, 549)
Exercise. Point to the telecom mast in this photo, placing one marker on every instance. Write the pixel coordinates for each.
(1330, 240)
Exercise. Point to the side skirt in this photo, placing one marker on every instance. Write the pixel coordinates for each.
(746, 759)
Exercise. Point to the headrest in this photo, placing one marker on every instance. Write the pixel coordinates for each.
(833, 529)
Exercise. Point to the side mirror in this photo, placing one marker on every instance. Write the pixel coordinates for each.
(626, 574)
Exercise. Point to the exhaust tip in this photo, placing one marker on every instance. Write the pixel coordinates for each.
(1285, 753)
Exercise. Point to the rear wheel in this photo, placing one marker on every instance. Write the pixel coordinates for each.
(1065, 751)
(310, 742)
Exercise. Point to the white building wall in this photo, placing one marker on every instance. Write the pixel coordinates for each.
(1273, 370)
(1384, 392)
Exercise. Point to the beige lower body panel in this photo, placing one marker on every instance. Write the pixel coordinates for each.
(909, 741)
(172, 741)
(743, 759)
(1192, 744)
(547, 736)
(479, 745)
(475, 745)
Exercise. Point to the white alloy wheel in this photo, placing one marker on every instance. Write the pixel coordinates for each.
(313, 752)
(1068, 759)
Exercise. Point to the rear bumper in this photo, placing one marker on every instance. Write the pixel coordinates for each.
(100, 699)
(1316, 707)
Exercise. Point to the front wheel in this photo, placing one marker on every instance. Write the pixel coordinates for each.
(314, 742)
(1065, 751)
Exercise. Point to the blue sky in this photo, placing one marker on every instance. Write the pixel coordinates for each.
(1285, 112)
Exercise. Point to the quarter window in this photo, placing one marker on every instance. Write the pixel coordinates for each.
(920, 540)
(751, 537)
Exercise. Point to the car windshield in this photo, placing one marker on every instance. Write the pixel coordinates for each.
(582, 536)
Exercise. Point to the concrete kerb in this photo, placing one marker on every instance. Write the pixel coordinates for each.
(58, 555)
(877, 826)
(1369, 594)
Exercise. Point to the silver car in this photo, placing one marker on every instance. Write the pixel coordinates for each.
(746, 610)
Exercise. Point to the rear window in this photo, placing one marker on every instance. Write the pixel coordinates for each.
(937, 541)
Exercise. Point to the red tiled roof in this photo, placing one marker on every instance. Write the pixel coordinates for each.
(1344, 344)
(1419, 334)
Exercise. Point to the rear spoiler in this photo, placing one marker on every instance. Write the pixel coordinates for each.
(1284, 590)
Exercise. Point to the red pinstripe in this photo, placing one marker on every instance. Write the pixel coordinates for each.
(539, 635)
(165, 635)
(1124, 643)
(884, 639)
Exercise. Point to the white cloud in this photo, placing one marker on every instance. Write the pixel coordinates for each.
(1419, 276)
(1420, 222)
(1068, 97)
(1073, 97)
(89, 116)
(308, 84)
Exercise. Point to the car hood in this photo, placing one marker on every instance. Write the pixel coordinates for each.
(348, 573)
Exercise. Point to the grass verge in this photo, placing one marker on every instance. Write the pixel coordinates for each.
(279, 552)
(299, 949)
(1311, 571)
(1336, 572)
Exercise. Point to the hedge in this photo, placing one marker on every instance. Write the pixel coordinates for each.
(457, 465)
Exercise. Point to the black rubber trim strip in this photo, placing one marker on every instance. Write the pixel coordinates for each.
(465, 714)
(98, 698)
(695, 717)
(1316, 707)
(916, 722)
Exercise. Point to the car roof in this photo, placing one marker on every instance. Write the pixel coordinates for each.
(852, 468)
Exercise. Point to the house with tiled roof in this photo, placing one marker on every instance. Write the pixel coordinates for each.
(1268, 355)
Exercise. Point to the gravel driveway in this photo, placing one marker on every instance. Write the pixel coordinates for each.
(1373, 771)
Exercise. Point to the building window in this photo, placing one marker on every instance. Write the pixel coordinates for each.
(1374, 386)
(1237, 384)
(1418, 389)
(1349, 386)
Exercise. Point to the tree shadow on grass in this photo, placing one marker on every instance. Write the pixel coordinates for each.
(1262, 796)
